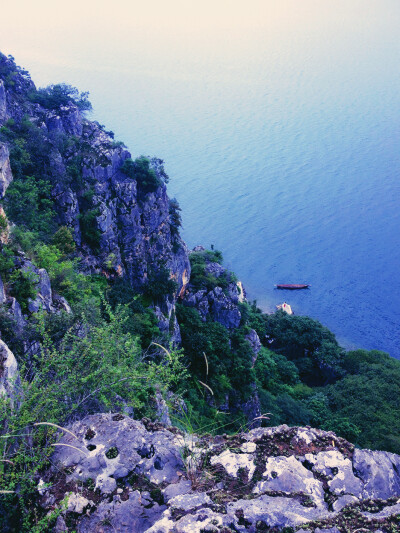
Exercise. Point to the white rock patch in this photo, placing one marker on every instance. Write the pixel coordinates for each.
(232, 462)
(249, 447)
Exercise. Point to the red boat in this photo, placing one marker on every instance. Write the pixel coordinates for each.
(292, 287)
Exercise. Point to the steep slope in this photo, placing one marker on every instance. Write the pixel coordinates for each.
(121, 227)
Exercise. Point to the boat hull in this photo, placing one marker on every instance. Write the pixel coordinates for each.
(292, 287)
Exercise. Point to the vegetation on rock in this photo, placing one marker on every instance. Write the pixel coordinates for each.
(232, 364)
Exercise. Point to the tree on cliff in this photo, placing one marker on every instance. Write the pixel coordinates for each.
(61, 94)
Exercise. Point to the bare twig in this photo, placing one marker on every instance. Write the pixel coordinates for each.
(56, 426)
(69, 446)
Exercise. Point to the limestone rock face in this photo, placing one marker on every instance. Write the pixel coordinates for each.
(3, 102)
(130, 228)
(9, 377)
(5, 169)
(151, 478)
(221, 305)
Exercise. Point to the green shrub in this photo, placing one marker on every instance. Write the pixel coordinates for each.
(201, 279)
(61, 94)
(311, 346)
(28, 204)
(6, 262)
(64, 240)
(159, 285)
(22, 285)
(90, 233)
(141, 320)
(175, 218)
(149, 173)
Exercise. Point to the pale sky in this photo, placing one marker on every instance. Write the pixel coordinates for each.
(80, 32)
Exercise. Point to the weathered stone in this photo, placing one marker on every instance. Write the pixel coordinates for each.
(255, 343)
(218, 304)
(233, 462)
(162, 410)
(43, 298)
(2, 292)
(9, 376)
(126, 516)
(379, 472)
(71, 119)
(77, 503)
(288, 475)
(272, 511)
(176, 489)
(61, 304)
(3, 103)
(60, 526)
(187, 502)
(167, 321)
(146, 486)
(16, 313)
(343, 501)
(5, 168)
(340, 471)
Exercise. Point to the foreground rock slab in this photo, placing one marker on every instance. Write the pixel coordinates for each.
(118, 474)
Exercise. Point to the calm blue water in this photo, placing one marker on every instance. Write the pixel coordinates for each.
(282, 144)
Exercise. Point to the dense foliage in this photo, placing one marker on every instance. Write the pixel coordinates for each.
(102, 369)
(55, 96)
(200, 278)
(149, 173)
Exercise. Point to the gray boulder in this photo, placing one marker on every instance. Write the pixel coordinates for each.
(16, 313)
(379, 473)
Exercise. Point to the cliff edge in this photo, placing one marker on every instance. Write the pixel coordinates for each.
(112, 473)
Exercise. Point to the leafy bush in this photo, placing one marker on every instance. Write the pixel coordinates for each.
(30, 151)
(141, 320)
(149, 173)
(101, 371)
(159, 285)
(61, 94)
(311, 346)
(200, 278)
(64, 240)
(175, 218)
(22, 285)
(229, 359)
(6, 262)
(90, 233)
(28, 204)
(9, 71)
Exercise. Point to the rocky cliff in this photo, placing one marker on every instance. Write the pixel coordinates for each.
(134, 227)
(121, 228)
(113, 473)
(219, 303)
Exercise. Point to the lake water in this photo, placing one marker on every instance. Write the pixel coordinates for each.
(281, 139)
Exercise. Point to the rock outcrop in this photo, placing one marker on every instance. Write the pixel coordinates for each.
(9, 376)
(118, 474)
(219, 304)
(132, 227)
(120, 228)
(5, 169)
